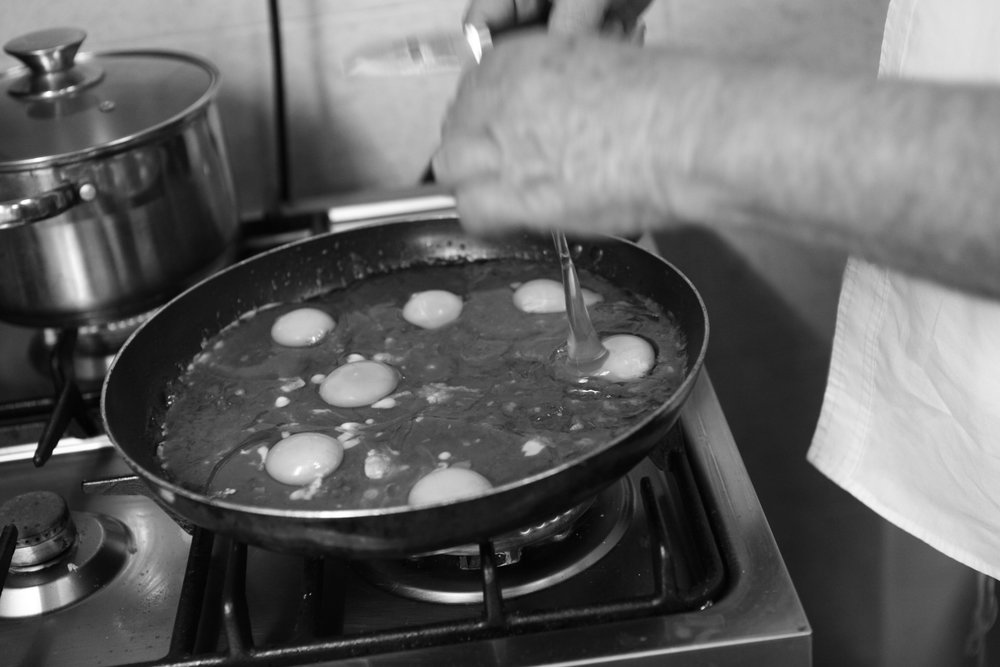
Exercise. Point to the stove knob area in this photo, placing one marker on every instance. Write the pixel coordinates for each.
(45, 530)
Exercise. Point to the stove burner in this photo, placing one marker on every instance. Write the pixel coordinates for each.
(509, 547)
(59, 557)
(445, 577)
(45, 529)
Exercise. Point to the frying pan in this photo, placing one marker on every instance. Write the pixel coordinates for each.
(133, 399)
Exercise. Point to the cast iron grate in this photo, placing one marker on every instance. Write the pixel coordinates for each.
(70, 407)
(213, 627)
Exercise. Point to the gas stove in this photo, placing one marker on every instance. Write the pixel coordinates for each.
(672, 564)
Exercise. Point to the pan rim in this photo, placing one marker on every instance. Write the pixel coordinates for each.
(166, 488)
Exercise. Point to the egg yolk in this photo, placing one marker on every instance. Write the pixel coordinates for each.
(446, 484)
(629, 358)
(358, 383)
(302, 458)
(543, 295)
(432, 309)
(302, 327)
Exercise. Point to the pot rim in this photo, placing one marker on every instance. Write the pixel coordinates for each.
(147, 135)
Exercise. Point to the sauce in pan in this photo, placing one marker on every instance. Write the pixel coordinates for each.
(351, 403)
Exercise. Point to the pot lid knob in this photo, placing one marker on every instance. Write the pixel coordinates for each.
(50, 56)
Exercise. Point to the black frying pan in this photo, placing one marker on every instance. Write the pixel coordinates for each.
(133, 398)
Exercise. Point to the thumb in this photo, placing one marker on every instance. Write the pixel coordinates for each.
(490, 206)
(504, 14)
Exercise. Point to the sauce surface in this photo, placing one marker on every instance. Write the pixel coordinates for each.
(483, 393)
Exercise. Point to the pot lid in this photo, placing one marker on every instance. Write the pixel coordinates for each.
(62, 105)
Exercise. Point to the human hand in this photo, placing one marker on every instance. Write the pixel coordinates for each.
(563, 16)
(552, 131)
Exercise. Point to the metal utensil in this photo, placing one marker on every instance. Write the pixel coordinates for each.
(445, 52)
(451, 51)
(583, 347)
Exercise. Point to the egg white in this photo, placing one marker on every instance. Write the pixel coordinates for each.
(432, 309)
(445, 484)
(629, 358)
(302, 458)
(302, 327)
(358, 383)
(543, 295)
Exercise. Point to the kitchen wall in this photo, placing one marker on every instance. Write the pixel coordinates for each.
(772, 301)
(351, 132)
(345, 132)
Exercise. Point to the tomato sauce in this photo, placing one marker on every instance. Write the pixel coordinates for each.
(484, 392)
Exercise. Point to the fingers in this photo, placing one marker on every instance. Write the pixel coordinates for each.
(571, 17)
(565, 16)
(615, 18)
(492, 206)
(465, 158)
(502, 14)
(488, 200)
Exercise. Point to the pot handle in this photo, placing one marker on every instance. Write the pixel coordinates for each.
(17, 212)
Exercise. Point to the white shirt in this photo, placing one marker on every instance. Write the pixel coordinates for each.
(911, 417)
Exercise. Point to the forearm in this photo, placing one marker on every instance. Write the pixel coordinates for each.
(594, 136)
(904, 174)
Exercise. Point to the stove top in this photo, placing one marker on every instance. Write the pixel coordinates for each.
(693, 573)
(140, 599)
(674, 563)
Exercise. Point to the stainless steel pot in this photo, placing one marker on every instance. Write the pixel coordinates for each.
(115, 189)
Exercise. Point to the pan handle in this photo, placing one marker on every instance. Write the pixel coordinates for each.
(424, 202)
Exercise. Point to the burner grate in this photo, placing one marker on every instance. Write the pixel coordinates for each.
(213, 620)
(71, 409)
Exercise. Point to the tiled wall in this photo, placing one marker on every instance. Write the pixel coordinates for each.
(354, 132)
(349, 132)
